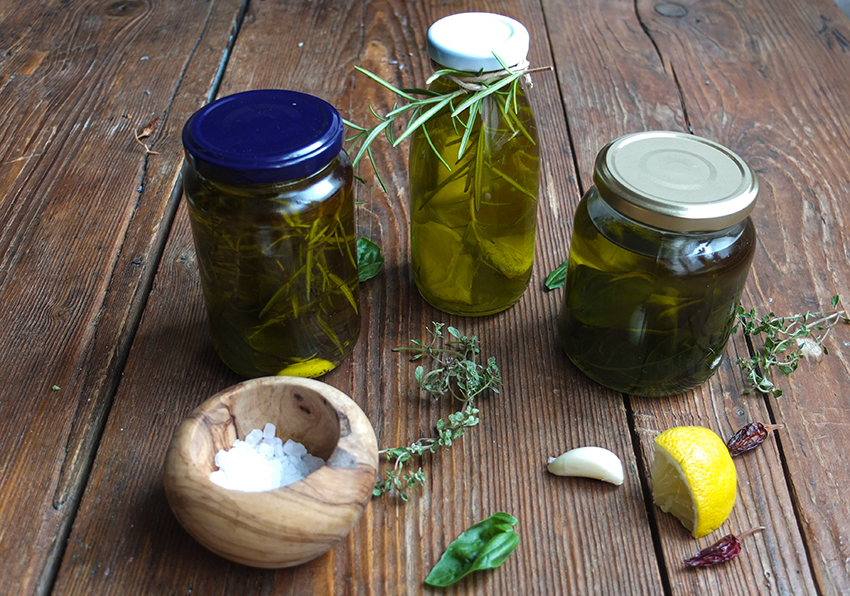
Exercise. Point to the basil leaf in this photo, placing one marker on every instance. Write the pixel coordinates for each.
(485, 545)
(369, 259)
(557, 278)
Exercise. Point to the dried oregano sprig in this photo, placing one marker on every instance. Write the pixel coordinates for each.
(456, 371)
(787, 341)
(424, 104)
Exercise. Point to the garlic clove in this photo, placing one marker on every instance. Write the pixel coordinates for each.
(588, 462)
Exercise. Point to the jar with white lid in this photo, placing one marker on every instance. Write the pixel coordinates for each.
(269, 191)
(474, 206)
(661, 249)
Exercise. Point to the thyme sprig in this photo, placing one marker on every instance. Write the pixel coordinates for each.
(787, 341)
(424, 104)
(456, 372)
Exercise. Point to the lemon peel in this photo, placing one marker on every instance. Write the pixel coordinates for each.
(444, 268)
(694, 478)
(312, 368)
(512, 256)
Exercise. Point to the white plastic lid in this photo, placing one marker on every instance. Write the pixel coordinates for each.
(467, 41)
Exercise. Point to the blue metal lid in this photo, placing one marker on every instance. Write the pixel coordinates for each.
(263, 137)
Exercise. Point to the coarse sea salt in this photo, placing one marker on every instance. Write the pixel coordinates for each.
(263, 462)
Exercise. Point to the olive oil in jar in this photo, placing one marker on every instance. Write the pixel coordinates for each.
(660, 252)
(474, 213)
(269, 191)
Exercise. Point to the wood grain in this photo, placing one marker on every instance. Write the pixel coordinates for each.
(84, 216)
(295, 523)
(88, 219)
(787, 117)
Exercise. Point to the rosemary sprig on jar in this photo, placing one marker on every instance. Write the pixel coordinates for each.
(464, 104)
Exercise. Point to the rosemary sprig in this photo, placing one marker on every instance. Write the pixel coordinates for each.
(456, 372)
(787, 341)
(424, 104)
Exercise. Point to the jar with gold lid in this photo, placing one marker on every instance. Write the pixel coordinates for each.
(661, 249)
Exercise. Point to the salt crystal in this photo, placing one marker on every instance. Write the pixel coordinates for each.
(294, 449)
(263, 462)
(301, 467)
(265, 450)
(313, 463)
(254, 437)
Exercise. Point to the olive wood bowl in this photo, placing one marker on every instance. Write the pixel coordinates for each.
(292, 524)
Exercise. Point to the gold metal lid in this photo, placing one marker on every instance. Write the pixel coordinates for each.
(675, 181)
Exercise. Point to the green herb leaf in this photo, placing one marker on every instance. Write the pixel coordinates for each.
(485, 545)
(557, 277)
(369, 259)
(787, 340)
(457, 372)
(422, 109)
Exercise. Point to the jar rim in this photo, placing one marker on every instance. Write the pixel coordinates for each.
(263, 136)
(675, 181)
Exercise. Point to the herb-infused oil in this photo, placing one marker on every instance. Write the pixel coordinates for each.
(661, 249)
(269, 191)
(474, 178)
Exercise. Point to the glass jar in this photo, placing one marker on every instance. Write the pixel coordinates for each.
(473, 215)
(269, 190)
(660, 252)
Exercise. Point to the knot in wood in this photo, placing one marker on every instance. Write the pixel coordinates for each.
(671, 9)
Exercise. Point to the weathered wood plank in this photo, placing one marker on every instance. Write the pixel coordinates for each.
(544, 408)
(714, 405)
(616, 65)
(754, 76)
(84, 212)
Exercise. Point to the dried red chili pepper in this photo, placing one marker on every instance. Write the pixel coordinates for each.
(723, 550)
(750, 437)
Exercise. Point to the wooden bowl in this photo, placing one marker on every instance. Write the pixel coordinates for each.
(285, 526)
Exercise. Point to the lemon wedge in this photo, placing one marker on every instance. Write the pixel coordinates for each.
(444, 269)
(312, 368)
(694, 478)
(512, 256)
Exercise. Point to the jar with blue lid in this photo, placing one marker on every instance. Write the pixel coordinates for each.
(269, 191)
(661, 249)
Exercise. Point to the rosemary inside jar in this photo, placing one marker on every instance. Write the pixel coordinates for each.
(474, 211)
(279, 271)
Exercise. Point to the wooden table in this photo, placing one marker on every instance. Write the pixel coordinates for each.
(103, 340)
